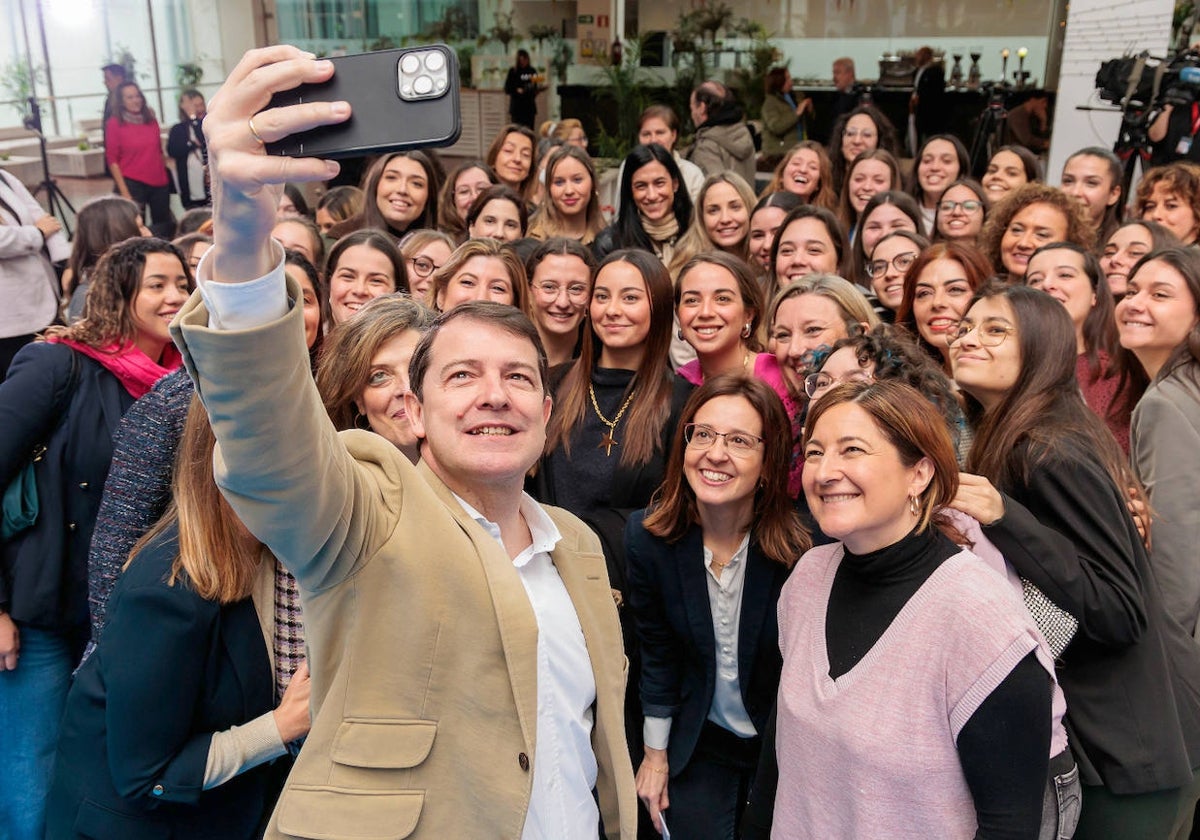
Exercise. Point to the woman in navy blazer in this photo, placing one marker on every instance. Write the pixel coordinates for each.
(171, 721)
(707, 560)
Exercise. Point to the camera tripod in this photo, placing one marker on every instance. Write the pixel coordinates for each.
(55, 200)
(1133, 142)
(990, 133)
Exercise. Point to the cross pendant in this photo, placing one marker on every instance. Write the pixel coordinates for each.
(608, 442)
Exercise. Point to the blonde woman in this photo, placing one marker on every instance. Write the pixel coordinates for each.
(479, 269)
(721, 221)
(572, 204)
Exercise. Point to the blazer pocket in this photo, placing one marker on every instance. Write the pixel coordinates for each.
(387, 744)
(328, 813)
(96, 821)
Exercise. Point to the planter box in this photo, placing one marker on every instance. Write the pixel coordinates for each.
(76, 163)
(27, 170)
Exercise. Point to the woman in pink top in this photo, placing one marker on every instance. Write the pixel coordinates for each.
(719, 304)
(915, 699)
(134, 151)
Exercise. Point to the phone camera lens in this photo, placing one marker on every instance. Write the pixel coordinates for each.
(435, 61)
(410, 64)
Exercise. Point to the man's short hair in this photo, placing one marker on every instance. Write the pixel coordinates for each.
(501, 315)
(114, 69)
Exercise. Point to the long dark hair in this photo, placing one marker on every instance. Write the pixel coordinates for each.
(376, 240)
(1043, 414)
(372, 218)
(964, 164)
(903, 202)
(650, 411)
(777, 527)
(101, 222)
(1185, 260)
(628, 229)
(884, 130)
(832, 226)
(1115, 212)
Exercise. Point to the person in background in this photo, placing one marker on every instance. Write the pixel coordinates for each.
(809, 241)
(362, 265)
(846, 87)
(570, 132)
(941, 160)
(101, 223)
(498, 213)
(717, 541)
(560, 272)
(400, 194)
(927, 106)
(513, 158)
(723, 141)
(114, 77)
(30, 241)
(1029, 122)
(660, 124)
(656, 208)
(886, 212)
(187, 147)
(783, 117)
(424, 252)
(765, 220)
(572, 205)
(337, 206)
(196, 220)
(806, 172)
(1170, 195)
(300, 233)
(484, 269)
(863, 129)
(888, 265)
(938, 288)
(292, 204)
(1032, 216)
(522, 89)
(193, 246)
(1173, 134)
(871, 173)
(1092, 176)
(133, 149)
(462, 187)
(721, 223)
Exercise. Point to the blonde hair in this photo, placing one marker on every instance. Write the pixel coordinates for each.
(481, 248)
(548, 222)
(855, 308)
(697, 240)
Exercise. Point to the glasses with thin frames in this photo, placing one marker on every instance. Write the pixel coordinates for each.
(816, 384)
(576, 292)
(968, 206)
(900, 262)
(700, 436)
(989, 332)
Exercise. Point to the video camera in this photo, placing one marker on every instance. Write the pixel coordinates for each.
(1179, 83)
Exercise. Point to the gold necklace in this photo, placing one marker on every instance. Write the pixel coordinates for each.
(608, 441)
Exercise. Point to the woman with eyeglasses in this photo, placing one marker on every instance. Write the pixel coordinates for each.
(938, 287)
(459, 192)
(941, 160)
(1111, 379)
(424, 252)
(961, 212)
(889, 263)
(707, 560)
(861, 130)
(1048, 483)
(886, 212)
(560, 282)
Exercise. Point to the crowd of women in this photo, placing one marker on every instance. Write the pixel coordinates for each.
(893, 477)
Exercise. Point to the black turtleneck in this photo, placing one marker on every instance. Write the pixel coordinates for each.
(1004, 747)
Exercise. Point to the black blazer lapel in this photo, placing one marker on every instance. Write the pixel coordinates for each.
(756, 601)
(689, 563)
(242, 636)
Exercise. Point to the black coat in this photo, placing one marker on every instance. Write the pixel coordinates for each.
(171, 669)
(668, 594)
(1131, 675)
(179, 147)
(43, 571)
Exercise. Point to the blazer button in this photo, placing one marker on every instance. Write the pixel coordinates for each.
(158, 790)
(83, 485)
(70, 526)
(523, 760)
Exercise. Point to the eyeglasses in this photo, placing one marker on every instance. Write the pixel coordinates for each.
(816, 384)
(968, 206)
(577, 292)
(900, 262)
(990, 332)
(853, 133)
(423, 266)
(699, 436)
(466, 190)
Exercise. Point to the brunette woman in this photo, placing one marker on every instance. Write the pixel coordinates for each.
(459, 192)
(861, 130)
(498, 213)
(360, 266)
(783, 117)
(655, 208)
(765, 219)
(424, 252)
(67, 395)
(961, 212)
(1093, 177)
(1111, 381)
(1170, 195)
(719, 306)
(364, 375)
(886, 212)
(872, 172)
(301, 234)
(938, 288)
(807, 172)
(1032, 216)
(1048, 482)
(572, 205)
(560, 274)
(400, 194)
(1010, 167)
(896, 629)
(102, 222)
(810, 241)
(888, 266)
(337, 207)
(479, 269)
(1131, 241)
(150, 751)
(717, 541)
(941, 160)
(660, 124)
(133, 149)
(512, 156)
(1158, 321)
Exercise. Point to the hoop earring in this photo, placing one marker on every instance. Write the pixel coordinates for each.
(679, 334)
(914, 505)
(746, 331)
(361, 422)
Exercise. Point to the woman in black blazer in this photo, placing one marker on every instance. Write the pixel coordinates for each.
(170, 723)
(1047, 480)
(703, 587)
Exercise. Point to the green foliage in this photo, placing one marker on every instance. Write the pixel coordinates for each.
(561, 56)
(503, 31)
(542, 32)
(384, 42)
(18, 80)
(465, 53)
(626, 85)
(122, 55)
(751, 81)
(188, 74)
(453, 26)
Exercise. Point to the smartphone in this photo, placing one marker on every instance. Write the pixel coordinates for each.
(400, 99)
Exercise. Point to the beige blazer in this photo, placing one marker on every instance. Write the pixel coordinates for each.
(422, 641)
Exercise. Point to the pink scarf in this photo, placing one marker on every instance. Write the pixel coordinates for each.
(136, 371)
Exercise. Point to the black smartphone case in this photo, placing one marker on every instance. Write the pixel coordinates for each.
(381, 121)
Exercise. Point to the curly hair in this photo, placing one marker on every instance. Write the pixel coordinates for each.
(1181, 179)
(1001, 216)
(115, 283)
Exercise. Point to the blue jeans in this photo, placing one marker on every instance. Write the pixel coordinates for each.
(1063, 798)
(31, 705)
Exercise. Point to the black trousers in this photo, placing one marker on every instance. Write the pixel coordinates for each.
(155, 204)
